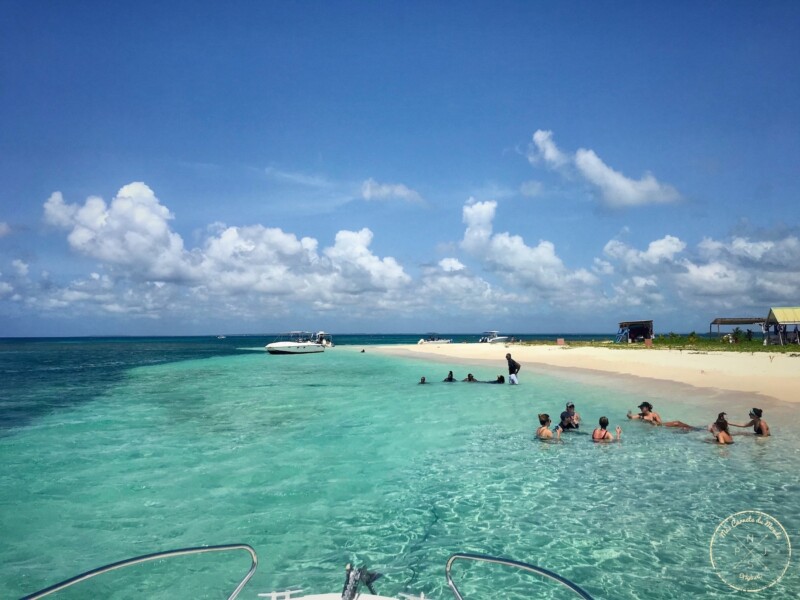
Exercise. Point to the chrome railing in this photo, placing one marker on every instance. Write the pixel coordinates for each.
(254, 564)
(150, 557)
(510, 563)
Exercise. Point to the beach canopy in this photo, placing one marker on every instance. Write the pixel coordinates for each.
(779, 318)
(735, 321)
(784, 315)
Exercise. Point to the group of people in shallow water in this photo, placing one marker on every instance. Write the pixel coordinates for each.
(469, 379)
(719, 429)
(571, 420)
(513, 374)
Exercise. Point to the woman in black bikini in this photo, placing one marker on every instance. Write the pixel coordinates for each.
(759, 425)
(601, 434)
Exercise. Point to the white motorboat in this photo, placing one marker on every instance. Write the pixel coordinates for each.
(355, 578)
(300, 342)
(493, 337)
(433, 339)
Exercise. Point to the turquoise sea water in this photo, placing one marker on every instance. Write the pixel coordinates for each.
(113, 448)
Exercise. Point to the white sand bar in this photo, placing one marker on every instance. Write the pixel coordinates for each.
(763, 373)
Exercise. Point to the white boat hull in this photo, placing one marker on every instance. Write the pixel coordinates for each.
(294, 348)
(492, 337)
(300, 342)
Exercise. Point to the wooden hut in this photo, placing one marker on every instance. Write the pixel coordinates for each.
(635, 331)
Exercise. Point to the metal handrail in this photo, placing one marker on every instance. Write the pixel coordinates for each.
(511, 563)
(149, 557)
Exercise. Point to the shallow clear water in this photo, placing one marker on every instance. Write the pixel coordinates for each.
(320, 460)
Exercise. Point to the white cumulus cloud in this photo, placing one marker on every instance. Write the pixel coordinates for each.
(245, 266)
(659, 251)
(537, 267)
(713, 279)
(6, 289)
(478, 217)
(721, 275)
(781, 253)
(140, 268)
(451, 265)
(133, 231)
(546, 150)
(20, 266)
(615, 189)
(619, 191)
(351, 258)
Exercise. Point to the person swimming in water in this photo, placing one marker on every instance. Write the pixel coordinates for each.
(500, 379)
(449, 377)
(720, 430)
(422, 380)
(544, 433)
(712, 428)
(646, 414)
(569, 418)
(470, 379)
(649, 415)
(601, 434)
(758, 424)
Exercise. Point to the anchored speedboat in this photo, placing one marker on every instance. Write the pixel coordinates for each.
(300, 342)
(493, 337)
(433, 339)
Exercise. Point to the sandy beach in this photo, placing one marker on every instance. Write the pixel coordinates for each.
(775, 376)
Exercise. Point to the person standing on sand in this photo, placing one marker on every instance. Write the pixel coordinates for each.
(513, 370)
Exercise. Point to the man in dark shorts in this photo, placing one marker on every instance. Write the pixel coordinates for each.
(513, 369)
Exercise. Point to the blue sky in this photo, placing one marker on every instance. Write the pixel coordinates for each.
(199, 168)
